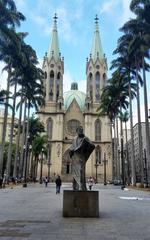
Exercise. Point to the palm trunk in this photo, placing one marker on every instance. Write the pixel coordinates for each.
(117, 145)
(18, 141)
(139, 130)
(33, 170)
(133, 178)
(26, 145)
(9, 156)
(146, 120)
(23, 141)
(115, 152)
(122, 154)
(127, 155)
(36, 166)
(4, 127)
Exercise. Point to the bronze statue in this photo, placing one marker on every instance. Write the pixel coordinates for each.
(80, 151)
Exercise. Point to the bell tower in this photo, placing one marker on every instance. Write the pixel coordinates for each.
(96, 70)
(53, 67)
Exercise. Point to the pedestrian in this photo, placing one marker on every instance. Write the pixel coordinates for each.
(58, 184)
(90, 183)
(46, 182)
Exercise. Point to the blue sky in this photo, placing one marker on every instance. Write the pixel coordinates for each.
(75, 30)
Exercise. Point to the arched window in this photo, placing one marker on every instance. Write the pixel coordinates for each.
(58, 85)
(49, 128)
(97, 130)
(97, 86)
(45, 75)
(72, 126)
(51, 85)
(104, 80)
(91, 85)
(98, 159)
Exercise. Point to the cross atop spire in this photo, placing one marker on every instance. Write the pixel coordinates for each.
(55, 21)
(96, 19)
(55, 18)
(96, 51)
(53, 50)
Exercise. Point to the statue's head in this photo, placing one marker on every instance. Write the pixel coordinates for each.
(79, 130)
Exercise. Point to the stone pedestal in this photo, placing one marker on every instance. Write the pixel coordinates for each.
(84, 204)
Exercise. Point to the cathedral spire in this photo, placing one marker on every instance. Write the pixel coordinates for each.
(53, 50)
(97, 51)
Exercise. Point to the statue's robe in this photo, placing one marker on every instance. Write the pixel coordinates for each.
(80, 151)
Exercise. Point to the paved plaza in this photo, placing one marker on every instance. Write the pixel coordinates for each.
(35, 213)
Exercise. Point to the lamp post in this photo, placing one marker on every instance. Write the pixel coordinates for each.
(145, 168)
(105, 161)
(41, 170)
(96, 167)
(25, 173)
(49, 161)
(29, 163)
(26, 148)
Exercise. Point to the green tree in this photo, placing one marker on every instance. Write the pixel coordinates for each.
(38, 148)
(10, 18)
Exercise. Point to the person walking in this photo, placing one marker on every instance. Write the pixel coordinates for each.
(58, 184)
(46, 182)
(90, 183)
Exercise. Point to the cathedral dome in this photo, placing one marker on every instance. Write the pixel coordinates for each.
(74, 93)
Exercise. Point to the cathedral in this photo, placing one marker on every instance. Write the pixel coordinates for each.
(64, 112)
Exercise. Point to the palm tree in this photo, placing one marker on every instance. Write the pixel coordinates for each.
(124, 63)
(26, 75)
(139, 47)
(114, 96)
(35, 128)
(38, 149)
(124, 116)
(133, 50)
(18, 62)
(3, 97)
(10, 17)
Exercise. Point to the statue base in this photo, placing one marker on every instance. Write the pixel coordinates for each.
(84, 204)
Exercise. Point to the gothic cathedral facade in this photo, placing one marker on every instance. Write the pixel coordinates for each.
(64, 112)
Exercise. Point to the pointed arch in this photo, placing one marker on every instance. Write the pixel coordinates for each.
(51, 85)
(49, 128)
(90, 83)
(104, 80)
(98, 159)
(97, 86)
(45, 75)
(58, 84)
(97, 130)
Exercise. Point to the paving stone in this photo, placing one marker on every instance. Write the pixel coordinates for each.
(35, 213)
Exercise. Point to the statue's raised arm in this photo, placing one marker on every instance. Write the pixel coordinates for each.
(80, 151)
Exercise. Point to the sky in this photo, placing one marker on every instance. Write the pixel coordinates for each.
(75, 32)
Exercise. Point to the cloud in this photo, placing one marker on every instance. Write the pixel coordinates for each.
(108, 6)
(21, 4)
(65, 29)
(82, 86)
(67, 80)
(42, 17)
(127, 14)
(117, 10)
